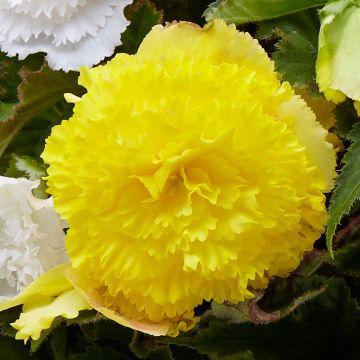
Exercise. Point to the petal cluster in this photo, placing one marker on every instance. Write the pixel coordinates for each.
(71, 32)
(188, 172)
(31, 236)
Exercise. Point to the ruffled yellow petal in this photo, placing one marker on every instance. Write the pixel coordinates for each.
(95, 298)
(38, 316)
(48, 285)
(49, 296)
(216, 43)
(188, 172)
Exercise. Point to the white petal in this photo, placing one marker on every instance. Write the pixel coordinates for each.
(72, 32)
(31, 236)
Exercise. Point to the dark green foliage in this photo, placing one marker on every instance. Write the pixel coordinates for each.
(325, 328)
(346, 258)
(347, 189)
(346, 117)
(189, 10)
(143, 16)
(11, 349)
(40, 104)
(6, 318)
(296, 39)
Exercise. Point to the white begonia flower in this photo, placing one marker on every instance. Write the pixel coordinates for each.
(72, 32)
(32, 239)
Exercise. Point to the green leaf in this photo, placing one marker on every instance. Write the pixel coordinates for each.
(247, 355)
(11, 349)
(47, 334)
(244, 11)
(232, 313)
(250, 311)
(96, 352)
(143, 16)
(30, 140)
(346, 117)
(106, 329)
(59, 343)
(296, 48)
(6, 110)
(347, 189)
(160, 353)
(142, 344)
(324, 328)
(145, 347)
(10, 77)
(6, 318)
(106, 333)
(37, 92)
(86, 317)
(25, 166)
(347, 259)
(186, 10)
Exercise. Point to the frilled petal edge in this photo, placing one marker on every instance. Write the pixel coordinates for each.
(49, 296)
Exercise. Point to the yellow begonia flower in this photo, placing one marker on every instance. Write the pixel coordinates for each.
(188, 172)
(337, 64)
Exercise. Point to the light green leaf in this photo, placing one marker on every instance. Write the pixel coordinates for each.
(244, 11)
(347, 189)
(338, 58)
(25, 166)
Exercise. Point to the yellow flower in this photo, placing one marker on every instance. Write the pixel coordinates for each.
(188, 172)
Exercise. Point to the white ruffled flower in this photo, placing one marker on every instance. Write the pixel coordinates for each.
(71, 32)
(31, 236)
